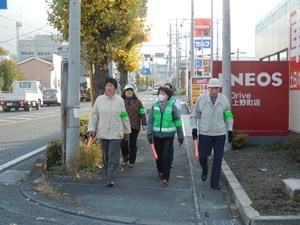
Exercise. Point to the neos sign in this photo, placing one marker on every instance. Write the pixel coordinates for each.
(262, 79)
(259, 96)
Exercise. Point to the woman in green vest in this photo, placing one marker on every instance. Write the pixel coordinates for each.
(163, 122)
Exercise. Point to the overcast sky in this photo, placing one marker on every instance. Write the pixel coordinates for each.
(244, 15)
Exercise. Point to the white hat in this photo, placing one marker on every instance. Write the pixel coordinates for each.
(128, 86)
(214, 82)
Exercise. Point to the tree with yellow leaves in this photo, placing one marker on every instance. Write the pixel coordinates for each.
(105, 26)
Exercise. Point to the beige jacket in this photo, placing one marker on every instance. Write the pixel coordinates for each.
(208, 118)
(107, 118)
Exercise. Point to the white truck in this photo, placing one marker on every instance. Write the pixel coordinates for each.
(26, 94)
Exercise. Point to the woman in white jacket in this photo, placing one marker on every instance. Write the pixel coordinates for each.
(109, 122)
(211, 118)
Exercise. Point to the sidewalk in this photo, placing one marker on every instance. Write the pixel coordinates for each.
(138, 197)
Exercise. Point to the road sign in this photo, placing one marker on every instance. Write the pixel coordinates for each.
(198, 63)
(3, 4)
(202, 43)
(145, 71)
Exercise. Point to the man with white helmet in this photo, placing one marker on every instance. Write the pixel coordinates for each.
(211, 119)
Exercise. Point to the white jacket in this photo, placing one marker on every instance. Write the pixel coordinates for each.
(105, 118)
(209, 118)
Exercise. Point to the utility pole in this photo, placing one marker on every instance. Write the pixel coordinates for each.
(211, 37)
(177, 57)
(226, 57)
(170, 53)
(73, 115)
(192, 41)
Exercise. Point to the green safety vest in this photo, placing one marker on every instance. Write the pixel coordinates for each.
(163, 121)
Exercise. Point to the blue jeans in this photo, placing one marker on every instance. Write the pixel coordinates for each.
(206, 144)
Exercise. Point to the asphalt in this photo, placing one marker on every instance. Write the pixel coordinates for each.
(138, 196)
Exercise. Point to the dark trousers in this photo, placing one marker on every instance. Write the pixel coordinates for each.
(206, 144)
(164, 150)
(129, 148)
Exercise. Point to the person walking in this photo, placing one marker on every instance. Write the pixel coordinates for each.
(109, 122)
(211, 119)
(137, 117)
(163, 122)
(176, 102)
(173, 98)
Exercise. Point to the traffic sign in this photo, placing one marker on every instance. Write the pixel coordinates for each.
(3, 4)
(198, 64)
(145, 71)
(202, 43)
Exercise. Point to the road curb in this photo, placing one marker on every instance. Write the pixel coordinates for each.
(39, 167)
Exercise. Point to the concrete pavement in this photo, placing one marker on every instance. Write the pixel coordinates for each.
(138, 196)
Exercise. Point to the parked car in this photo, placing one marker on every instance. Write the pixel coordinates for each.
(155, 89)
(149, 88)
(85, 93)
(52, 96)
(26, 94)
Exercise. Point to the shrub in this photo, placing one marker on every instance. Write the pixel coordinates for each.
(83, 126)
(292, 143)
(91, 157)
(239, 140)
(84, 159)
(53, 154)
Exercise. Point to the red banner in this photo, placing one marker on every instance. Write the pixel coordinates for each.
(259, 96)
(202, 27)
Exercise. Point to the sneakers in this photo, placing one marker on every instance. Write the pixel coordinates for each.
(125, 160)
(130, 165)
(216, 187)
(203, 176)
(165, 183)
(110, 183)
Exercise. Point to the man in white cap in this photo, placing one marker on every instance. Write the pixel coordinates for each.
(211, 119)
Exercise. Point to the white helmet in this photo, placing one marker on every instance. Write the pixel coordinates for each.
(214, 82)
(128, 86)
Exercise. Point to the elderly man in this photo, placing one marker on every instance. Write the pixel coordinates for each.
(211, 119)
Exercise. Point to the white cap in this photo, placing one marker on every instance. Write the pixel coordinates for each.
(214, 82)
(128, 86)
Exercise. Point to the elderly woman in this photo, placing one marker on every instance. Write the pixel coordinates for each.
(109, 122)
(163, 123)
(137, 117)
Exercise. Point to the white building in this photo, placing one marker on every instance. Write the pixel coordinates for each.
(40, 46)
(277, 38)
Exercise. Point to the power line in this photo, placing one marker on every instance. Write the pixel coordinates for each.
(27, 25)
(14, 20)
(12, 39)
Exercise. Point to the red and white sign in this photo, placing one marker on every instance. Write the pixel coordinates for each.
(199, 87)
(259, 96)
(202, 27)
(295, 50)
